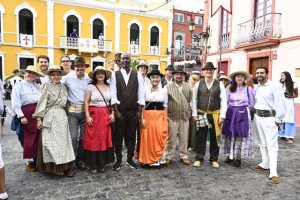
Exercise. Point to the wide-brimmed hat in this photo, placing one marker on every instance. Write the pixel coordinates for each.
(233, 74)
(179, 69)
(170, 67)
(118, 56)
(100, 68)
(55, 68)
(143, 63)
(80, 61)
(209, 65)
(34, 69)
(223, 76)
(154, 71)
(16, 71)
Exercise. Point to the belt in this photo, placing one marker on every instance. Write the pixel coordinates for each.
(75, 108)
(154, 106)
(265, 113)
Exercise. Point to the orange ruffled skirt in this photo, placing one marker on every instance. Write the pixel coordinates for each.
(153, 138)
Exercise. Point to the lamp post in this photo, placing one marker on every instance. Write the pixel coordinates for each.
(199, 38)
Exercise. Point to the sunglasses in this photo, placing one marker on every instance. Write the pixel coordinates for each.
(125, 58)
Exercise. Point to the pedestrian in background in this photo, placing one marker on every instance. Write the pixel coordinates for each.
(290, 88)
(225, 80)
(168, 77)
(154, 122)
(236, 134)
(25, 96)
(270, 110)
(55, 146)
(97, 139)
(15, 79)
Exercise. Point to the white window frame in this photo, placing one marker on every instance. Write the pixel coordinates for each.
(2, 11)
(198, 20)
(25, 5)
(98, 16)
(25, 54)
(154, 62)
(98, 59)
(135, 21)
(65, 17)
(178, 17)
(160, 31)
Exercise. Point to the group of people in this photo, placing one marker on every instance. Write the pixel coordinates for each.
(70, 119)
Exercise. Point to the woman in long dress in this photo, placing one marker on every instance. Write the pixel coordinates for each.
(97, 139)
(290, 92)
(25, 96)
(236, 134)
(154, 124)
(55, 146)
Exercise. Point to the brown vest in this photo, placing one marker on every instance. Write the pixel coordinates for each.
(127, 94)
(203, 96)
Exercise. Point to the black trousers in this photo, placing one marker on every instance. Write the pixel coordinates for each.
(125, 126)
(201, 137)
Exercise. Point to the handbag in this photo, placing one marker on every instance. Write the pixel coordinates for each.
(201, 119)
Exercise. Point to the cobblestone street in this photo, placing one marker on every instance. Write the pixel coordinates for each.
(169, 182)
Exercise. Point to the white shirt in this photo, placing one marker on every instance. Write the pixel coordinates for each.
(158, 96)
(24, 93)
(76, 87)
(270, 96)
(223, 98)
(14, 80)
(113, 87)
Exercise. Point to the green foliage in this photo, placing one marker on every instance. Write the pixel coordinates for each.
(134, 64)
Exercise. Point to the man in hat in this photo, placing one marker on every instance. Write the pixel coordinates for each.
(43, 64)
(168, 77)
(270, 110)
(209, 99)
(180, 97)
(128, 100)
(16, 78)
(118, 60)
(143, 69)
(77, 83)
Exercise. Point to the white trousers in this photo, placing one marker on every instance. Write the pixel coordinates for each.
(268, 136)
(181, 127)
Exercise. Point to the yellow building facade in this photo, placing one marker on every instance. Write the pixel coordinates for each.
(94, 29)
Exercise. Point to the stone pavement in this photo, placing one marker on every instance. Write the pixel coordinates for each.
(169, 182)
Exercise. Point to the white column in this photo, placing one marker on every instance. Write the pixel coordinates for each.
(117, 30)
(170, 31)
(50, 25)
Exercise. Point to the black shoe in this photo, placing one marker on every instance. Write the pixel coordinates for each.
(237, 163)
(81, 166)
(228, 160)
(117, 166)
(132, 164)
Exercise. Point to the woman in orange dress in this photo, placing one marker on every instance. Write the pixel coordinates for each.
(154, 124)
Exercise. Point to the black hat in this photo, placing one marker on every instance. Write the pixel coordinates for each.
(179, 69)
(209, 65)
(80, 61)
(154, 72)
(170, 67)
(16, 71)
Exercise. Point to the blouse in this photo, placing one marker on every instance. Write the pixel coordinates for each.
(157, 96)
(96, 97)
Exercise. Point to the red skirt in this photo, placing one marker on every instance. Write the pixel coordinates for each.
(98, 136)
(31, 133)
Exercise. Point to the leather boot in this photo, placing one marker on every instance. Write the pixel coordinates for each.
(2, 180)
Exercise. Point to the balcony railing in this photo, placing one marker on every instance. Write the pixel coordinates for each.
(72, 43)
(264, 27)
(225, 41)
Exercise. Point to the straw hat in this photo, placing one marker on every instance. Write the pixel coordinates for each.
(143, 63)
(100, 68)
(55, 68)
(223, 76)
(31, 68)
(246, 74)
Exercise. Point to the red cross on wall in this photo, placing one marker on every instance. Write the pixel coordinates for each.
(154, 50)
(134, 48)
(26, 39)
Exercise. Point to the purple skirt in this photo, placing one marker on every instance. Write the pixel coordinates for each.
(236, 123)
